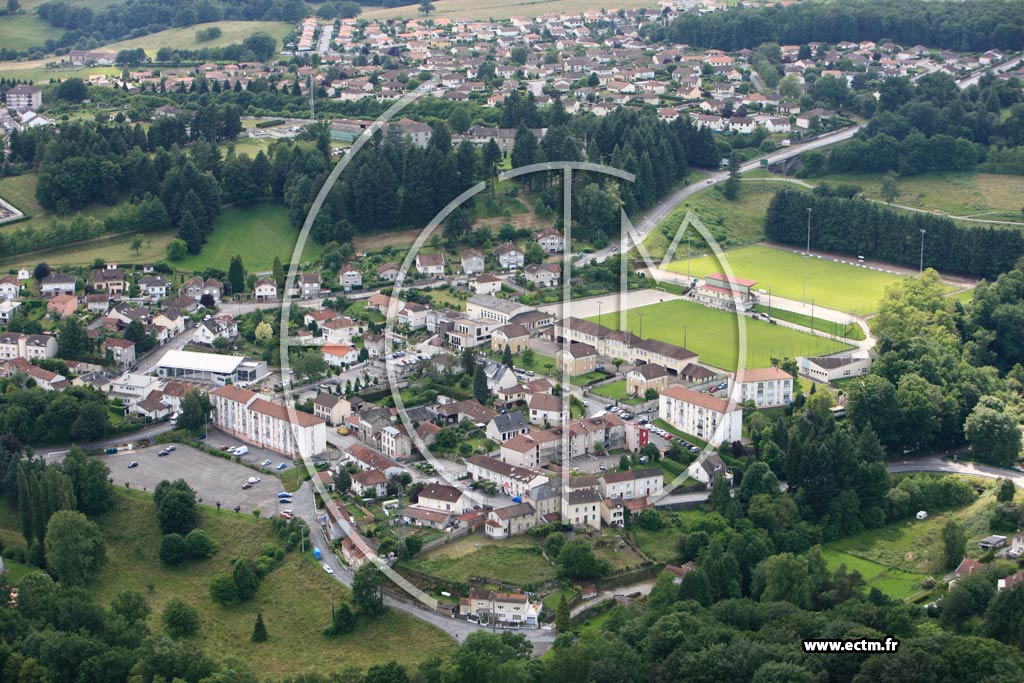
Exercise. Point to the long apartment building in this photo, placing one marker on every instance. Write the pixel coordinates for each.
(256, 420)
(27, 346)
(701, 415)
(621, 344)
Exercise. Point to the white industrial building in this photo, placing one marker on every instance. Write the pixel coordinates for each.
(211, 368)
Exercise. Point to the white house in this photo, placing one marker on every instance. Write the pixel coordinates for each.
(510, 256)
(153, 287)
(766, 387)
(350, 277)
(337, 355)
(472, 262)
(430, 264)
(265, 289)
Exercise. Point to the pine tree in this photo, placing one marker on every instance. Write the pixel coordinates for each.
(236, 275)
(259, 631)
(480, 390)
(506, 356)
(563, 616)
(190, 232)
(278, 272)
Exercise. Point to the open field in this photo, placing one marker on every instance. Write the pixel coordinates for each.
(916, 546)
(22, 31)
(257, 233)
(494, 9)
(116, 248)
(515, 560)
(893, 582)
(713, 334)
(958, 193)
(185, 38)
(829, 284)
(732, 223)
(295, 598)
(20, 190)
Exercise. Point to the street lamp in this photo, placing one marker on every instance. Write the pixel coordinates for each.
(599, 321)
(807, 254)
(641, 316)
(684, 335)
(920, 267)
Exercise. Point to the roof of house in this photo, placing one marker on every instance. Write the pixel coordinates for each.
(547, 402)
(581, 350)
(681, 570)
(512, 331)
(280, 412)
(510, 422)
(434, 491)
(650, 371)
(762, 374)
(697, 398)
(429, 259)
(370, 477)
(503, 468)
(586, 495)
(425, 514)
(517, 510)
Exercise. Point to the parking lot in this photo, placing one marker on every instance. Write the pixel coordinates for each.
(214, 479)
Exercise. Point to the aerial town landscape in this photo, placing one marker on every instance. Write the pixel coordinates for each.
(449, 341)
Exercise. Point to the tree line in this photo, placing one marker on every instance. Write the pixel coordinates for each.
(858, 227)
(970, 27)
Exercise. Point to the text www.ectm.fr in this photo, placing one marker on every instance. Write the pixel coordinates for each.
(858, 645)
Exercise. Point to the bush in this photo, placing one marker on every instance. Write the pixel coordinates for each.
(200, 545)
(173, 549)
(223, 590)
(180, 619)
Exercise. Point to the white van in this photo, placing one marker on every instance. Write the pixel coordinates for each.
(242, 450)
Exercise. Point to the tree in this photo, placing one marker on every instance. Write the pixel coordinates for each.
(236, 275)
(259, 629)
(563, 616)
(264, 332)
(343, 620)
(89, 480)
(200, 545)
(954, 544)
(576, 560)
(553, 544)
(367, 590)
(175, 507)
(173, 549)
(528, 356)
(623, 462)
(278, 271)
(177, 249)
(130, 606)
(783, 577)
(731, 188)
(412, 545)
(72, 338)
(426, 7)
(195, 411)
(72, 90)
(993, 433)
(40, 272)
(246, 579)
(1006, 491)
(137, 243)
(136, 332)
(223, 590)
(75, 550)
(342, 481)
(180, 619)
(889, 191)
(506, 356)
(696, 586)
(480, 390)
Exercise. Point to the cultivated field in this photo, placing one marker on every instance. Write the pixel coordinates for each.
(713, 334)
(495, 9)
(185, 38)
(829, 284)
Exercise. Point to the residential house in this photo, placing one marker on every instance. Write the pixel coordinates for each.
(310, 285)
(635, 483)
(505, 426)
(340, 330)
(486, 284)
(109, 280)
(511, 520)
(10, 288)
(426, 517)
(550, 240)
(547, 410)
(472, 262)
(710, 465)
(512, 480)
(212, 328)
(338, 355)
(510, 256)
(365, 458)
(581, 504)
(388, 272)
(27, 346)
(350, 277)
(331, 408)
(44, 379)
(121, 351)
(264, 289)
(395, 442)
(578, 359)
(443, 499)
(543, 274)
(646, 377)
(8, 309)
(61, 305)
(515, 337)
(374, 344)
(487, 607)
(57, 283)
(838, 366)
(97, 303)
(431, 265)
(369, 483)
(24, 96)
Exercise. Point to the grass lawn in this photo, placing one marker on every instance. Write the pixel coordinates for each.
(588, 377)
(829, 284)
(894, 582)
(621, 558)
(695, 440)
(848, 331)
(295, 598)
(257, 233)
(659, 545)
(514, 560)
(713, 335)
(293, 476)
(538, 365)
(958, 193)
(22, 31)
(496, 9)
(916, 546)
(20, 190)
(554, 599)
(616, 391)
(732, 223)
(185, 38)
(16, 571)
(116, 248)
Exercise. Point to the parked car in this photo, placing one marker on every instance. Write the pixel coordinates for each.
(343, 431)
(266, 463)
(254, 480)
(201, 437)
(281, 466)
(284, 494)
(163, 453)
(241, 450)
(327, 568)
(133, 463)
(171, 448)
(603, 467)
(246, 485)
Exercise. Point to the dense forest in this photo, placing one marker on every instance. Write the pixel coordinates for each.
(965, 26)
(859, 227)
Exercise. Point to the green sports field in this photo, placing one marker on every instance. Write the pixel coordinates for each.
(713, 334)
(832, 285)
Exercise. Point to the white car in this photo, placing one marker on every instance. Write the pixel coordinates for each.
(254, 480)
(266, 463)
(327, 568)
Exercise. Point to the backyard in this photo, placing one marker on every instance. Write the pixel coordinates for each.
(515, 560)
(713, 334)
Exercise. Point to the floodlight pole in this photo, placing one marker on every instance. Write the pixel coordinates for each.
(807, 254)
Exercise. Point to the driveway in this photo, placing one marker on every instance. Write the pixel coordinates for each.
(214, 479)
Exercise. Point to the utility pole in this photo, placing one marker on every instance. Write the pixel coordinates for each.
(641, 316)
(688, 257)
(684, 335)
(920, 268)
(599, 302)
(312, 106)
(807, 254)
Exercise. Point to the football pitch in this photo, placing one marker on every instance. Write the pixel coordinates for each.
(838, 286)
(713, 334)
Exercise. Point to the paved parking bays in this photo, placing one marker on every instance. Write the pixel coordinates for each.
(256, 455)
(214, 479)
